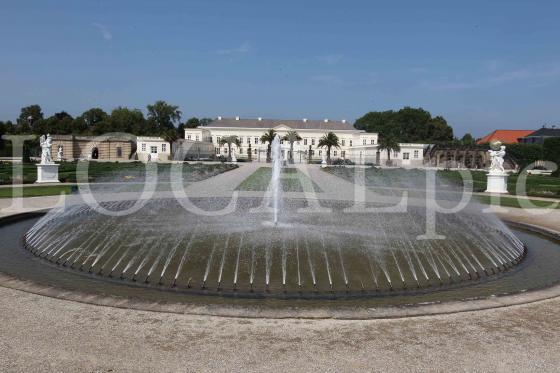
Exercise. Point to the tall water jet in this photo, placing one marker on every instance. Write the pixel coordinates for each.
(275, 179)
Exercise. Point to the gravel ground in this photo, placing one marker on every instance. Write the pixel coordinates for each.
(46, 334)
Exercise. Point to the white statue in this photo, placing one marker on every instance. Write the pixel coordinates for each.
(46, 144)
(323, 159)
(59, 153)
(233, 157)
(497, 164)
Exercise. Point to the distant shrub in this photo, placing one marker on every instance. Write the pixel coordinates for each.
(342, 162)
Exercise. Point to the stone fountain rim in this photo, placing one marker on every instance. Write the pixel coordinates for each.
(343, 313)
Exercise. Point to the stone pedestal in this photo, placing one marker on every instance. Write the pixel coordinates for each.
(47, 173)
(496, 182)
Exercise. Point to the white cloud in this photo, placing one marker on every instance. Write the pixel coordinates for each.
(242, 49)
(105, 33)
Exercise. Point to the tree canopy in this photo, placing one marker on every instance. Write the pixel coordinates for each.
(407, 125)
(161, 121)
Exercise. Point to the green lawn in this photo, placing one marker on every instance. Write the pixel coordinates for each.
(114, 171)
(292, 180)
(514, 202)
(37, 191)
(537, 185)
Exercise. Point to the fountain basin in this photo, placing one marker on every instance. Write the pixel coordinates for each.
(244, 254)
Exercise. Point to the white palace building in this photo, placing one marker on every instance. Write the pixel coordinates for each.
(355, 145)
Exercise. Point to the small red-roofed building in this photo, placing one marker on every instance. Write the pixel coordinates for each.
(505, 136)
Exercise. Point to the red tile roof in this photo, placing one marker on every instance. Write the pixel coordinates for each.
(505, 136)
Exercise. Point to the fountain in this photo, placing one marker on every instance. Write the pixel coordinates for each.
(274, 245)
(275, 178)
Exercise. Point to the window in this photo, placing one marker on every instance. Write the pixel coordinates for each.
(304, 141)
(248, 140)
(395, 154)
(119, 152)
(416, 154)
(255, 151)
(335, 153)
(217, 139)
(372, 142)
(240, 150)
(217, 150)
(350, 142)
(153, 149)
(163, 148)
(188, 137)
(363, 141)
(406, 155)
(343, 154)
(143, 147)
(256, 140)
(196, 138)
(320, 152)
(312, 141)
(343, 142)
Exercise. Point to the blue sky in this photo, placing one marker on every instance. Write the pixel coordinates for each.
(483, 65)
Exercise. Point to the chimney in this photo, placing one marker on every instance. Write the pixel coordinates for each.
(219, 118)
(236, 118)
(259, 119)
(326, 120)
(304, 120)
(344, 121)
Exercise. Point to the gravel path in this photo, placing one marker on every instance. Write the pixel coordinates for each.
(46, 334)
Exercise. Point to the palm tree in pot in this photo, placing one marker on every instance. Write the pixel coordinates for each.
(291, 137)
(329, 140)
(390, 144)
(229, 141)
(268, 138)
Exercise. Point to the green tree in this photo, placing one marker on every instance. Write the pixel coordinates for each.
(291, 137)
(268, 138)
(229, 141)
(192, 123)
(28, 117)
(329, 140)
(91, 118)
(205, 121)
(467, 139)
(164, 116)
(551, 150)
(408, 125)
(123, 119)
(390, 144)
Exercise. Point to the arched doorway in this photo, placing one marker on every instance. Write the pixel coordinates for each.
(94, 153)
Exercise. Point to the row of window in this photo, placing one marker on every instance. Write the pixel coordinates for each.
(306, 141)
(153, 149)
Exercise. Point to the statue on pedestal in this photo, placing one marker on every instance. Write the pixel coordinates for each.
(497, 156)
(233, 157)
(59, 153)
(46, 144)
(323, 159)
(47, 170)
(496, 179)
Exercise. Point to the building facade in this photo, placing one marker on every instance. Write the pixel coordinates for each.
(356, 145)
(540, 135)
(108, 148)
(152, 149)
